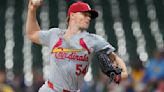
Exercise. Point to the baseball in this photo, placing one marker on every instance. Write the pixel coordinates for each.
(36, 2)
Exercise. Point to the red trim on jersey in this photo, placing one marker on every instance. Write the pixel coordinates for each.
(50, 85)
(83, 44)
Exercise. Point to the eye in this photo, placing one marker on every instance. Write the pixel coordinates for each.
(86, 14)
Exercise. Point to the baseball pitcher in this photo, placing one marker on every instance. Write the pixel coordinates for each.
(71, 49)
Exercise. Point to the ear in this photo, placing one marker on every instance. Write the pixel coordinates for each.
(72, 15)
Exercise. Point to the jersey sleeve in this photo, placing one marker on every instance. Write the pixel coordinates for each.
(100, 43)
(45, 36)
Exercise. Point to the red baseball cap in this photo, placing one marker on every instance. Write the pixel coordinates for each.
(82, 7)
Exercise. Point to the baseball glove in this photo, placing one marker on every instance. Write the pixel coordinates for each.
(107, 67)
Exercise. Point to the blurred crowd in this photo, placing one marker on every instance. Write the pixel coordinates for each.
(143, 77)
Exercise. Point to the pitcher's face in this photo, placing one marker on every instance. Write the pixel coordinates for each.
(82, 20)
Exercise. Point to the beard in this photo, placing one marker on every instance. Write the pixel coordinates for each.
(83, 28)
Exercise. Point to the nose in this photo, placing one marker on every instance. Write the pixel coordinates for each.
(87, 15)
(89, 18)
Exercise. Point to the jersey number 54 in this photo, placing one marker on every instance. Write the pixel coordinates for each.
(81, 70)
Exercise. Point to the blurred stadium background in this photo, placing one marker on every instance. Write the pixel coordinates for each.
(134, 27)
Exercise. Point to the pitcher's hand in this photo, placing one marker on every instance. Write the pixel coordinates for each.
(34, 4)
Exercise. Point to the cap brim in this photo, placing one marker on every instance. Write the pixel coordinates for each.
(93, 13)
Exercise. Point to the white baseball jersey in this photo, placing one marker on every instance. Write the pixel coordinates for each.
(69, 59)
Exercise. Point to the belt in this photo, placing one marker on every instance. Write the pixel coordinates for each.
(51, 85)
